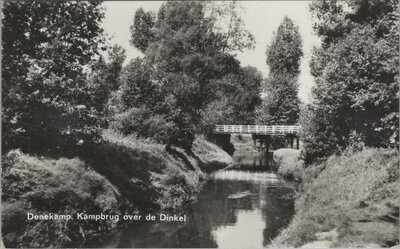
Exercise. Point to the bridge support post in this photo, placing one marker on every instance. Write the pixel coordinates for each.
(267, 141)
(297, 142)
(291, 142)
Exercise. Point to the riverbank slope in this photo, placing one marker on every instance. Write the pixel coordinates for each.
(347, 201)
(288, 164)
(123, 175)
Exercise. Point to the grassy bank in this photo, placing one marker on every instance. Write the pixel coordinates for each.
(64, 186)
(124, 175)
(347, 201)
(289, 164)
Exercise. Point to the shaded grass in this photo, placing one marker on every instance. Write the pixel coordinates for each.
(355, 194)
(165, 179)
(124, 174)
(288, 164)
(63, 186)
(209, 156)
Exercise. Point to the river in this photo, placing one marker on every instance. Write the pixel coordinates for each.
(240, 207)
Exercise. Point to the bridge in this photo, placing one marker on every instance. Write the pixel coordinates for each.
(280, 130)
(261, 134)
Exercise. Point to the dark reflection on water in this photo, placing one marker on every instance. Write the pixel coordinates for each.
(237, 208)
(260, 162)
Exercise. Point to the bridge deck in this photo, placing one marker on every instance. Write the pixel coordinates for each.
(257, 129)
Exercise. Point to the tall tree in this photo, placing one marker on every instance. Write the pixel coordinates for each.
(142, 29)
(281, 103)
(104, 79)
(47, 47)
(356, 75)
(186, 52)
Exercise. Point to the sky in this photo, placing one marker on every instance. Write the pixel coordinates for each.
(261, 18)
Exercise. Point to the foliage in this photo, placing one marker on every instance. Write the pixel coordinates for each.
(137, 87)
(185, 53)
(228, 26)
(284, 52)
(288, 164)
(356, 76)
(104, 79)
(116, 58)
(281, 103)
(246, 96)
(237, 96)
(143, 123)
(178, 190)
(47, 104)
(142, 29)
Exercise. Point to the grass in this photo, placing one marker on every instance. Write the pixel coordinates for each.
(210, 156)
(354, 195)
(168, 179)
(123, 175)
(43, 185)
(288, 164)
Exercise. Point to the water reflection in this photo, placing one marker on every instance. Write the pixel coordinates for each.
(261, 162)
(236, 209)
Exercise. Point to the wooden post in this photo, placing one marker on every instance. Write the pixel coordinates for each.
(297, 143)
(267, 143)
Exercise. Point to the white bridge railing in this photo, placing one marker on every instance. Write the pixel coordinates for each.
(258, 129)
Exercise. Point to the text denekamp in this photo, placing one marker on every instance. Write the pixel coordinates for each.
(48, 216)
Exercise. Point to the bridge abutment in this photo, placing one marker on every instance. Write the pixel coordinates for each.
(263, 140)
(224, 141)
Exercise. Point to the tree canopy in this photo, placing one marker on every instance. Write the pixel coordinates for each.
(356, 76)
(186, 54)
(47, 47)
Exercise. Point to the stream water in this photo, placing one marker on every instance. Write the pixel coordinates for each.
(241, 207)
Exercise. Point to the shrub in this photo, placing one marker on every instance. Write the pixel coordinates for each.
(144, 123)
(289, 164)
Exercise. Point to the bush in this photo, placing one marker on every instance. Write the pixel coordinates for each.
(178, 190)
(144, 123)
(289, 164)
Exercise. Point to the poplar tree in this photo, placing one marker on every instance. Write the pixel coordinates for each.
(281, 104)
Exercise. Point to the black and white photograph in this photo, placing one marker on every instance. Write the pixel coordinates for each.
(200, 124)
